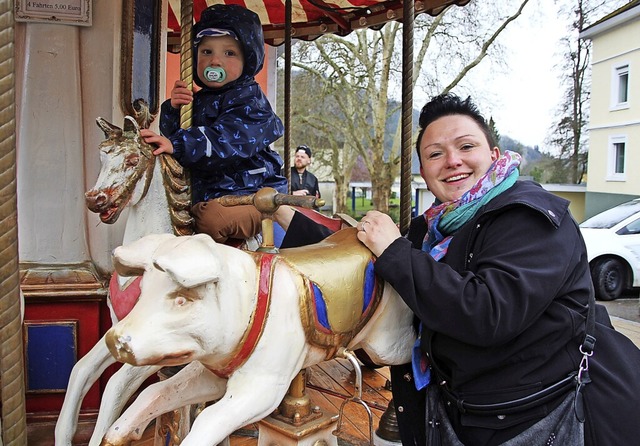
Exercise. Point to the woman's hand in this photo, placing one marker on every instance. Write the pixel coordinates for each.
(163, 144)
(180, 94)
(377, 231)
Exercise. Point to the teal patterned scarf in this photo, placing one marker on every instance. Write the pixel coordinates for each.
(444, 219)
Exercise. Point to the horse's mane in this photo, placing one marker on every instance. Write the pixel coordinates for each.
(178, 190)
(174, 177)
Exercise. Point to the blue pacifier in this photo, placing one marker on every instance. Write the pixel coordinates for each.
(215, 74)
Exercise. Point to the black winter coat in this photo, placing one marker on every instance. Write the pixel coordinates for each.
(504, 314)
(308, 182)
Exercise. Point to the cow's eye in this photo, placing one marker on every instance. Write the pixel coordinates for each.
(180, 301)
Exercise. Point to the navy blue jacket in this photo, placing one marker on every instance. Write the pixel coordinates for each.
(227, 147)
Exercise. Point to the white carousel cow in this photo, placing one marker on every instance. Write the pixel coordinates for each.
(246, 323)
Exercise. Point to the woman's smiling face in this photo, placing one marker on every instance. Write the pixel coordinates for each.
(454, 154)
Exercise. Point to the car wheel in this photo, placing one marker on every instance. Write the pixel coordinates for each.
(608, 279)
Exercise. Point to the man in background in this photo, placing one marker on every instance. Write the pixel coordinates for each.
(303, 182)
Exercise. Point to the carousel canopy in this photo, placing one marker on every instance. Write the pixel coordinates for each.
(312, 18)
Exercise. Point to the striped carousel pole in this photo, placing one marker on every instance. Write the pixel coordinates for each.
(12, 418)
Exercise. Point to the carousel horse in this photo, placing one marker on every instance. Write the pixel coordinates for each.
(246, 323)
(157, 197)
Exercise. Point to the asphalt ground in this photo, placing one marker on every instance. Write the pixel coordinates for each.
(626, 307)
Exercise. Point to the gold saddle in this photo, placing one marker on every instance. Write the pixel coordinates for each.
(340, 292)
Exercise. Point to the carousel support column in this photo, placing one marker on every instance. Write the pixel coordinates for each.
(388, 432)
(172, 427)
(12, 418)
(296, 421)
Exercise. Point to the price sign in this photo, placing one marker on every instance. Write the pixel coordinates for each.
(66, 12)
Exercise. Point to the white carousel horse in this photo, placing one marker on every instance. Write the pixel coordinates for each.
(246, 323)
(156, 194)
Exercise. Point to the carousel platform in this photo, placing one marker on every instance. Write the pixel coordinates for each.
(328, 385)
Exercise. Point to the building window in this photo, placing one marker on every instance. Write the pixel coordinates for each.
(620, 87)
(617, 158)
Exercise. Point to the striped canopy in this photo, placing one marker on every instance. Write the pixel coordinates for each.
(312, 18)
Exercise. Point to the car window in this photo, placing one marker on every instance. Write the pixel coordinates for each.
(613, 216)
(631, 228)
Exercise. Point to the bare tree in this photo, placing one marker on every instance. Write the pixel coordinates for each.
(360, 77)
(568, 135)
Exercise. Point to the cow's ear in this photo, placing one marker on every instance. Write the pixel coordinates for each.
(192, 261)
(134, 258)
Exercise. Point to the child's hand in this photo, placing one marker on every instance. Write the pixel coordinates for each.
(163, 144)
(180, 94)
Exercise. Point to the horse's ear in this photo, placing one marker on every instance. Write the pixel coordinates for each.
(108, 128)
(131, 127)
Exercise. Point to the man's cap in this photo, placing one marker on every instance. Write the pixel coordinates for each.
(305, 149)
(213, 32)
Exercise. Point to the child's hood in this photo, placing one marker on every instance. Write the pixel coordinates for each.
(245, 24)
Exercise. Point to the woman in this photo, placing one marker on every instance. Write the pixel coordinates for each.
(496, 272)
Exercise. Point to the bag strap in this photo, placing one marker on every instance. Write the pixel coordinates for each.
(586, 349)
(589, 338)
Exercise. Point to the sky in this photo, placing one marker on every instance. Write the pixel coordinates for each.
(526, 93)
(525, 96)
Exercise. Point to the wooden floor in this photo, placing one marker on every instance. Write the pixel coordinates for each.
(328, 385)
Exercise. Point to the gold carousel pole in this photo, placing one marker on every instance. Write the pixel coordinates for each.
(186, 61)
(172, 427)
(12, 418)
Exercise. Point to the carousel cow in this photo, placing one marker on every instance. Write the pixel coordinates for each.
(246, 323)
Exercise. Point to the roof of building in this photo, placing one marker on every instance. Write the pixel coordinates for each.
(622, 15)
